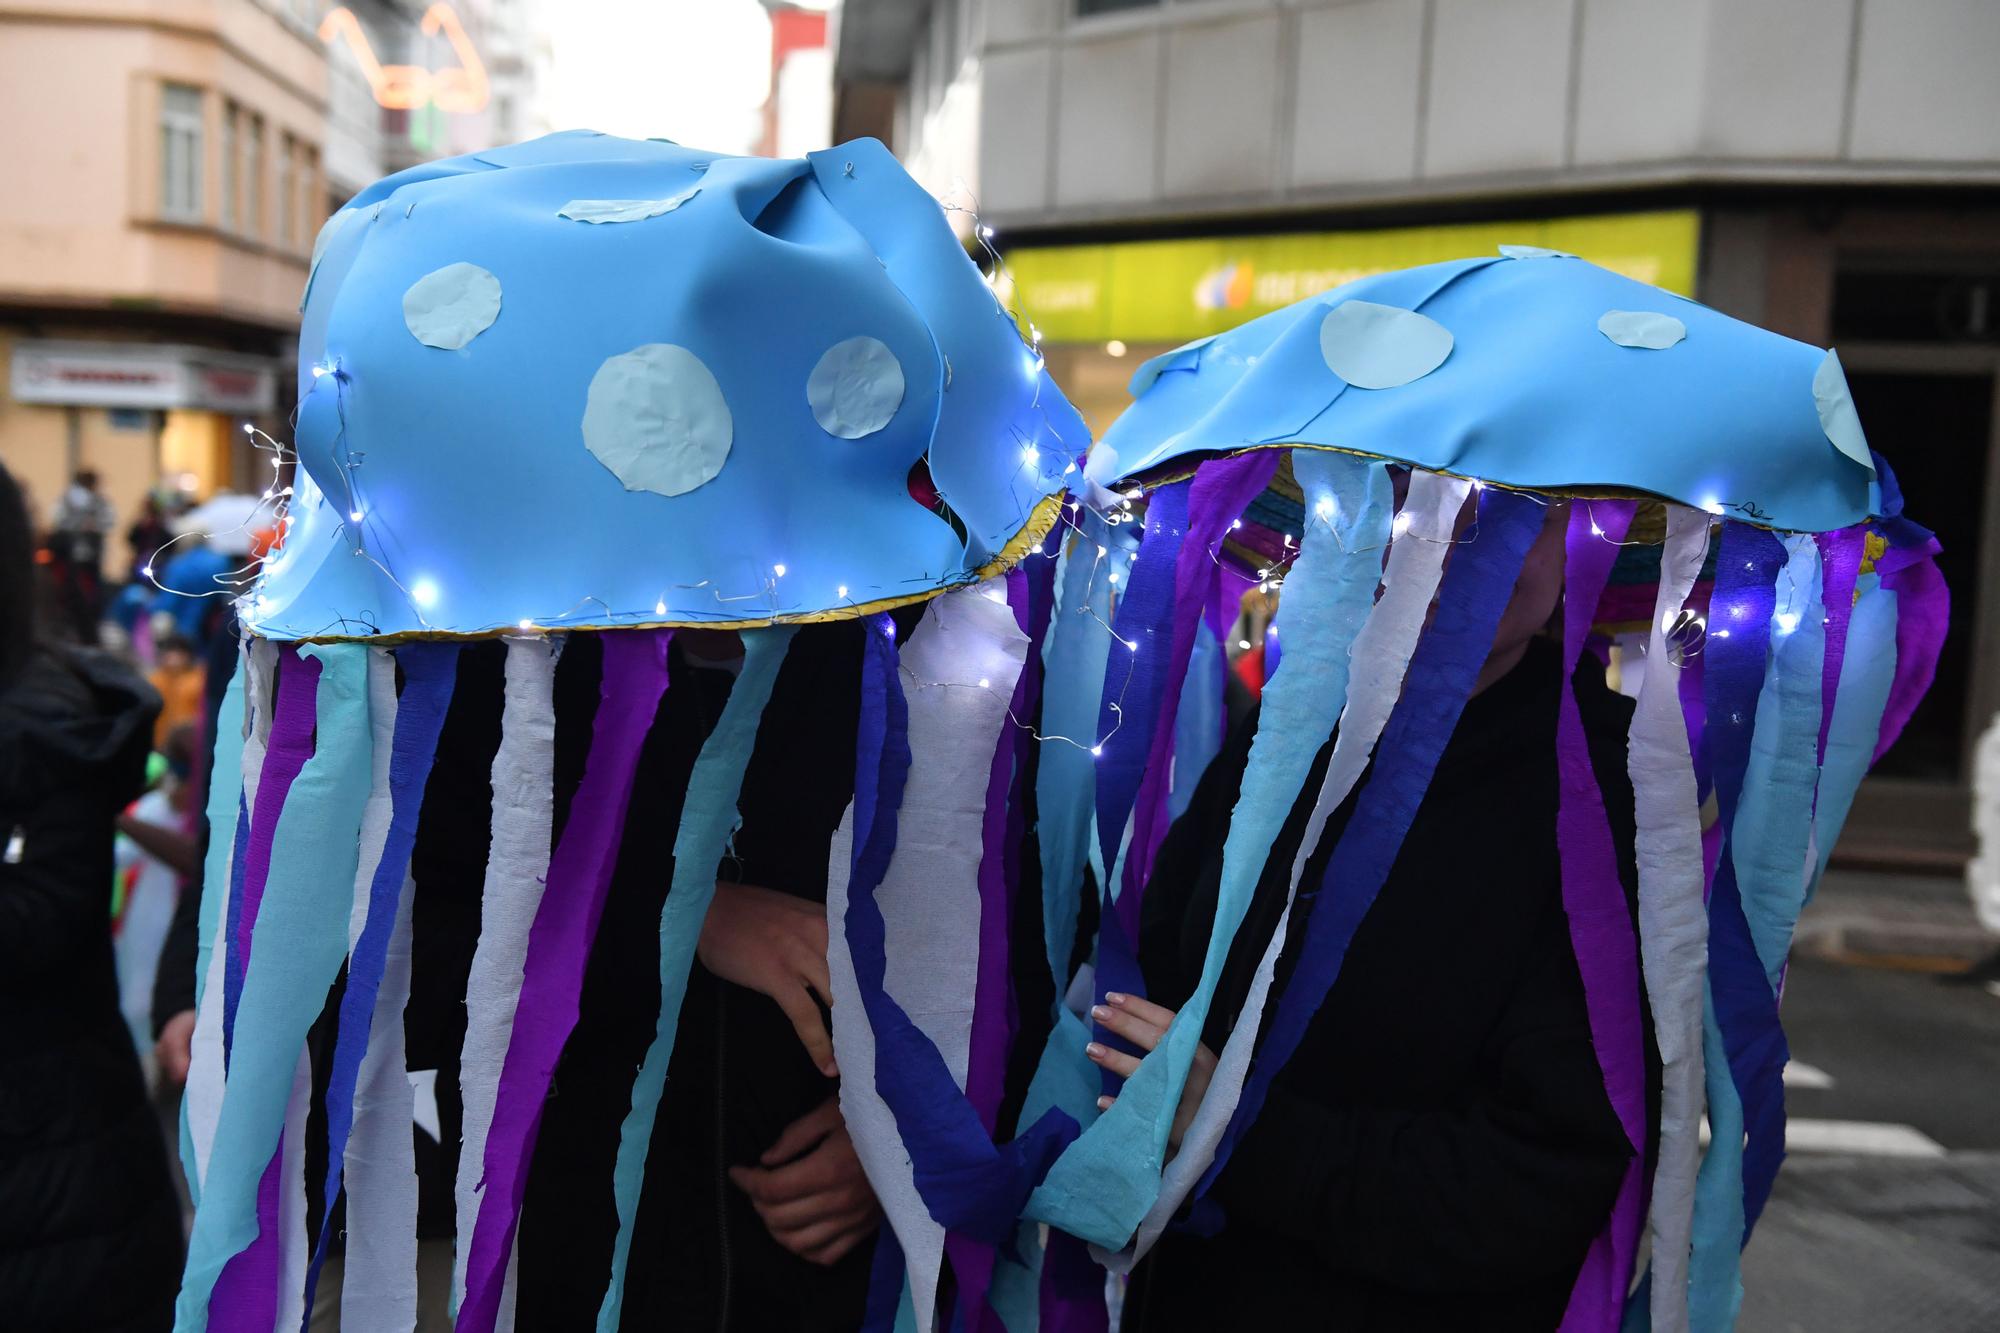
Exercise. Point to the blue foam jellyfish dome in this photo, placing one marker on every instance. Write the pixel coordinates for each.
(587, 382)
(1532, 369)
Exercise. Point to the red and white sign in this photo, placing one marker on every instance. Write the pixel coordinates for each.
(80, 374)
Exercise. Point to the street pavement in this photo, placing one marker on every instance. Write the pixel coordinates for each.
(1887, 1215)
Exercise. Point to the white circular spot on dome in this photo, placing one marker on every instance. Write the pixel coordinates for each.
(451, 306)
(1641, 328)
(1837, 416)
(1381, 346)
(656, 417)
(856, 388)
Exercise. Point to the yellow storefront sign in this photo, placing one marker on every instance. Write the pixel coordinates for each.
(1170, 291)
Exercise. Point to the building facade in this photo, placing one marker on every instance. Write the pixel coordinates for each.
(1158, 169)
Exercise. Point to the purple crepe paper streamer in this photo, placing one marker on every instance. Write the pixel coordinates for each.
(429, 674)
(239, 874)
(1475, 590)
(290, 746)
(1923, 610)
(1600, 924)
(1220, 490)
(1840, 564)
(967, 1184)
(1072, 1295)
(634, 680)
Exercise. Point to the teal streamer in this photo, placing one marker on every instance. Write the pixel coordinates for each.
(1774, 820)
(1715, 1271)
(708, 819)
(301, 942)
(225, 795)
(1078, 646)
(1198, 722)
(1105, 1184)
(1866, 674)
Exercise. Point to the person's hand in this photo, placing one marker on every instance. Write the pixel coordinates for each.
(774, 943)
(174, 1050)
(1143, 1023)
(809, 1188)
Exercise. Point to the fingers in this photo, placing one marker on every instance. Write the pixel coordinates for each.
(813, 968)
(811, 1027)
(1117, 1062)
(1133, 1027)
(822, 1237)
(804, 1133)
(1156, 1015)
(1106, 1103)
(828, 1255)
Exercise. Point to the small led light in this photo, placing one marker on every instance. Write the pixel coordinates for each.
(1787, 621)
(1114, 577)
(526, 624)
(424, 592)
(1326, 506)
(1712, 505)
(1235, 523)
(318, 371)
(146, 570)
(984, 682)
(1595, 531)
(1133, 644)
(1096, 750)
(1031, 454)
(249, 429)
(660, 607)
(1103, 551)
(841, 590)
(1116, 347)
(1478, 485)
(354, 515)
(1401, 525)
(1243, 644)
(986, 233)
(1722, 634)
(779, 570)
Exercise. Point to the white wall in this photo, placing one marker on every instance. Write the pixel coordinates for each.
(1216, 105)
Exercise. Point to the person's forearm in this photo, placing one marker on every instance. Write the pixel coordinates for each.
(171, 847)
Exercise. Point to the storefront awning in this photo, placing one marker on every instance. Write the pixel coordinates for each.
(143, 375)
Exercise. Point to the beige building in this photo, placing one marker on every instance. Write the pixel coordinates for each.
(163, 160)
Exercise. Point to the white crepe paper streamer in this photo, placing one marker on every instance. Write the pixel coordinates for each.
(929, 895)
(517, 866)
(379, 1286)
(1381, 655)
(203, 1098)
(294, 1245)
(1673, 918)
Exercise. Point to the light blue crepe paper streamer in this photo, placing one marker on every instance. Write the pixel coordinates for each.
(1527, 398)
(1866, 673)
(1837, 416)
(656, 418)
(1774, 820)
(774, 262)
(1076, 653)
(1379, 346)
(1067, 1080)
(624, 210)
(1198, 724)
(708, 818)
(300, 944)
(1103, 1186)
(225, 794)
(451, 306)
(855, 388)
(1646, 329)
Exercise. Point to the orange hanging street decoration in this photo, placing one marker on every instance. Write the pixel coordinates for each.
(461, 89)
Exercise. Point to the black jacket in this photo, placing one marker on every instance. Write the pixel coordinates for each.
(89, 1226)
(1440, 1150)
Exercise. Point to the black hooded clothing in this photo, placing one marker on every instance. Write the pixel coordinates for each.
(89, 1225)
(1440, 1150)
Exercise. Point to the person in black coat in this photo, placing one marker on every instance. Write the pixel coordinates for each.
(1440, 1150)
(89, 1227)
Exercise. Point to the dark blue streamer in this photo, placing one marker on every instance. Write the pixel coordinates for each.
(429, 672)
(967, 1184)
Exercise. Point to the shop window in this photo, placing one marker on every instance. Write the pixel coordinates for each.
(232, 129)
(1088, 8)
(252, 140)
(1890, 306)
(180, 152)
(284, 228)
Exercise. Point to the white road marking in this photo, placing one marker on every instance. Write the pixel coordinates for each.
(1859, 1137)
(1799, 1074)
